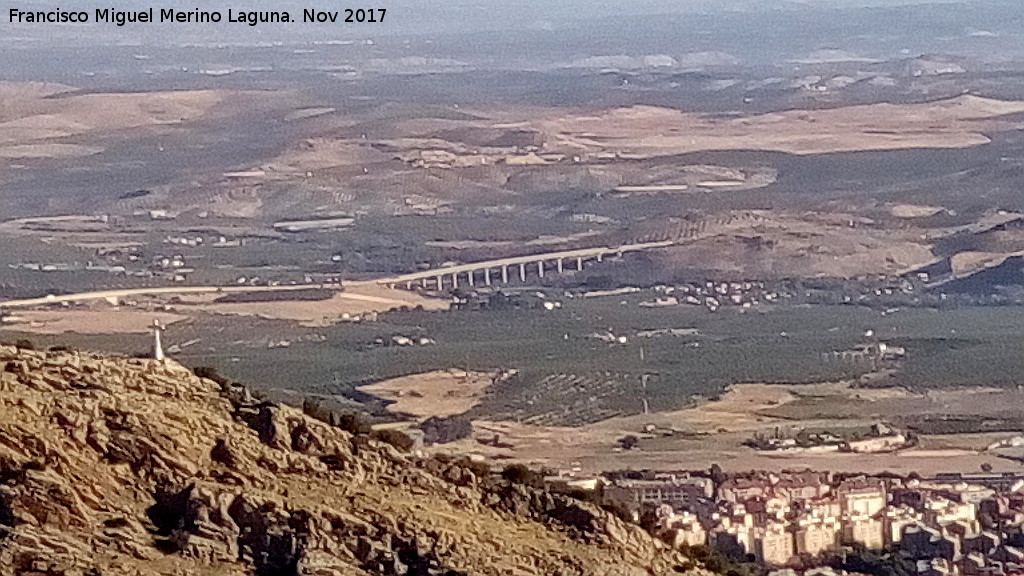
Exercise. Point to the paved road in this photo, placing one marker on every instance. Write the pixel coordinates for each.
(585, 253)
(160, 291)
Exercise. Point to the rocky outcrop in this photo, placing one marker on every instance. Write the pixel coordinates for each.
(112, 466)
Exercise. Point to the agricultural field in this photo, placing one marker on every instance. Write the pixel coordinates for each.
(566, 372)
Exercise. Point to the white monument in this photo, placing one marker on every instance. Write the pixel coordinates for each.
(158, 347)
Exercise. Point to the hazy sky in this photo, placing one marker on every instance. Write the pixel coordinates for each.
(504, 14)
(445, 16)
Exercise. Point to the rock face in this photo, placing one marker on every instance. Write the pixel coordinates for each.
(125, 467)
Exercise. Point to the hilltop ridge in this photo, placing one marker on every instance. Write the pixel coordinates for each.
(126, 466)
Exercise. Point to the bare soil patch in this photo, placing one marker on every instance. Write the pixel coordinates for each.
(355, 300)
(914, 210)
(35, 114)
(810, 244)
(644, 131)
(112, 321)
(694, 438)
(441, 393)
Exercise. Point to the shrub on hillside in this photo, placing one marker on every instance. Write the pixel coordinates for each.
(444, 430)
(396, 438)
(354, 423)
(479, 469)
(210, 373)
(520, 474)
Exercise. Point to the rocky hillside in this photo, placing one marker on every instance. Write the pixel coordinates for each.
(112, 466)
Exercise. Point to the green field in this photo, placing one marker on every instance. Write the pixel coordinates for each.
(968, 347)
(566, 376)
(780, 344)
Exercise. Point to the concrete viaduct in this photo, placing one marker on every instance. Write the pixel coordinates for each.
(505, 269)
(488, 272)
